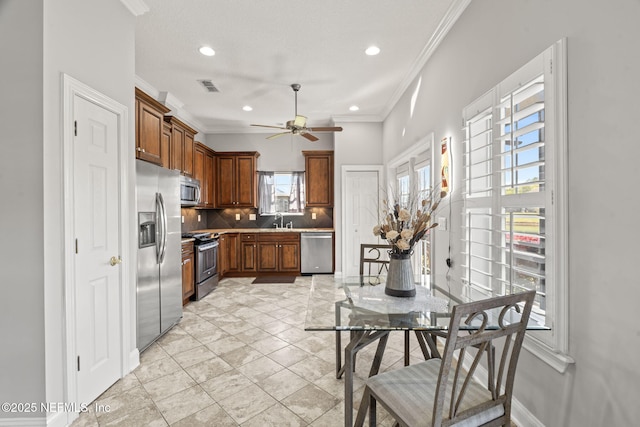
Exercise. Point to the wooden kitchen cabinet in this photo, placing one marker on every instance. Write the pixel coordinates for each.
(229, 254)
(166, 145)
(249, 252)
(203, 171)
(188, 272)
(279, 252)
(237, 180)
(319, 178)
(182, 145)
(149, 129)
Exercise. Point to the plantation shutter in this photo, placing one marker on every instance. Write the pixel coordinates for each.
(504, 189)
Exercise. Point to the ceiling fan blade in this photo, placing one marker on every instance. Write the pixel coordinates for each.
(267, 126)
(326, 129)
(309, 137)
(277, 135)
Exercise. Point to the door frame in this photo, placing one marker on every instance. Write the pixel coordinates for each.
(129, 356)
(343, 197)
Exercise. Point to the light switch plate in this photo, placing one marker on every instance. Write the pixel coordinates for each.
(252, 217)
(442, 223)
(198, 217)
(183, 219)
(313, 215)
(237, 217)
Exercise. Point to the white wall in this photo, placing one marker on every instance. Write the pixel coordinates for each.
(92, 42)
(280, 154)
(601, 388)
(22, 358)
(358, 144)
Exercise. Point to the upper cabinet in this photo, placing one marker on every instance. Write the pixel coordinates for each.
(182, 145)
(237, 179)
(149, 130)
(163, 140)
(203, 171)
(319, 178)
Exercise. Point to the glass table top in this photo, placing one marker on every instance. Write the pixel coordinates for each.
(360, 303)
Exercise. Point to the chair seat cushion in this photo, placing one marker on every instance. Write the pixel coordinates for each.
(408, 393)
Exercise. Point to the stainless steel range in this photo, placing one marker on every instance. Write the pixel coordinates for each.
(206, 262)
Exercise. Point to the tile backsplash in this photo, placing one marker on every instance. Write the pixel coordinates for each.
(226, 218)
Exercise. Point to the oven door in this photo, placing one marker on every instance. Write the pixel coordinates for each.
(206, 261)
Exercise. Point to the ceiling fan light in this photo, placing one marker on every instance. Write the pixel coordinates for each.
(300, 121)
(372, 50)
(207, 51)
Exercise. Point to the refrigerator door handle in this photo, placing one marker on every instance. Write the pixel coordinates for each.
(162, 214)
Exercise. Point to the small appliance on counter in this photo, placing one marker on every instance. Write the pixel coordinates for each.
(206, 262)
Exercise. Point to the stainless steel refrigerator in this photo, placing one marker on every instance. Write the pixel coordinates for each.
(159, 286)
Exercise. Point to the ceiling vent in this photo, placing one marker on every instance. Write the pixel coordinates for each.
(208, 85)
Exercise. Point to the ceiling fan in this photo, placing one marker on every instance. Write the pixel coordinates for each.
(298, 126)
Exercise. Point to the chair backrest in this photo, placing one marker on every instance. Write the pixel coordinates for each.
(511, 313)
(373, 255)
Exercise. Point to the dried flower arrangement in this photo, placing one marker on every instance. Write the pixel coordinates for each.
(401, 226)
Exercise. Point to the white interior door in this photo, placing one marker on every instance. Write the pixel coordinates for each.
(97, 234)
(361, 215)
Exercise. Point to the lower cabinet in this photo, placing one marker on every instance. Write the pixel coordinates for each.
(248, 252)
(229, 254)
(188, 272)
(279, 253)
(251, 254)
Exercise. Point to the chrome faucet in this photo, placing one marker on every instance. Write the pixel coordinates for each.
(290, 225)
(279, 215)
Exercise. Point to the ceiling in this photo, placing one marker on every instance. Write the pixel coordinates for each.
(263, 46)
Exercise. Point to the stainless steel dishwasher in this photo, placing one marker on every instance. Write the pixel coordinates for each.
(316, 253)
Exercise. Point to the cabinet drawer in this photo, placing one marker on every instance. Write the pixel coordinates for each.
(279, 237)
(244, 237)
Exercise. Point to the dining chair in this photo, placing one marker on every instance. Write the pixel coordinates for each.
(441, 392)
(372, 257)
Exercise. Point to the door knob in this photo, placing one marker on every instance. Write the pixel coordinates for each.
(115, 261)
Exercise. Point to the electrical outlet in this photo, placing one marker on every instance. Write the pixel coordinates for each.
(313, 215)
(252, 217)
(237, 217)
(198, 217)
(183, 219)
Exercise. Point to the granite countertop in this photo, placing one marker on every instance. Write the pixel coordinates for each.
(264, 230)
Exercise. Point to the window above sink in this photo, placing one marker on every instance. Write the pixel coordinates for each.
(281, 193)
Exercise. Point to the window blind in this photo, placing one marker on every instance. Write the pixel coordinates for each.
(504, 175)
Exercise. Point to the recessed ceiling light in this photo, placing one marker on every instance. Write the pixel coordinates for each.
(247, 108)
(354, 108)
(207, 51)
(372, 50)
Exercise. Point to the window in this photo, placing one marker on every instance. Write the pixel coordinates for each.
(412, 172)
(281, 192)
(403, 184)
(514, 195)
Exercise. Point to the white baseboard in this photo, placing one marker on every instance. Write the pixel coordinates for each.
(134, 360)
(23, 422)
(60, 419)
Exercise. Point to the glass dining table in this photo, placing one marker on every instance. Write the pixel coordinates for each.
(359, 305)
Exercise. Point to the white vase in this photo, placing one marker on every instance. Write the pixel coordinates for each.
(400, 282)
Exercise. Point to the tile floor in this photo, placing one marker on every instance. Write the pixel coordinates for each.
(240, 357)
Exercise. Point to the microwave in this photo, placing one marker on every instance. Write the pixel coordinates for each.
(189, 191)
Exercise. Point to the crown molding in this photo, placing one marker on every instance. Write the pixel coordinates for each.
(136, 7)
(362, 118)
(447, 22)
(170, 101)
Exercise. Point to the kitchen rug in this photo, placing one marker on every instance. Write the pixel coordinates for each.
(275, 279)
